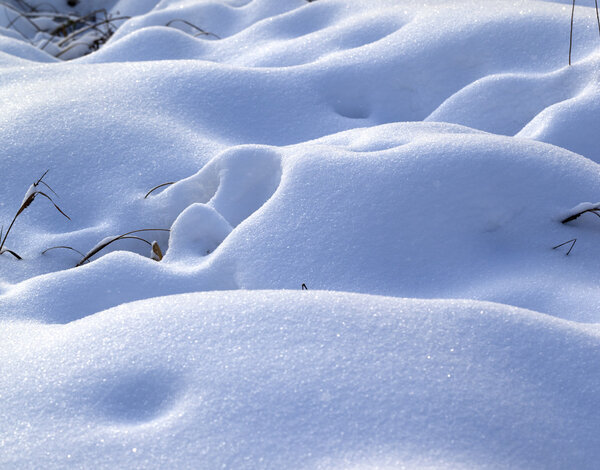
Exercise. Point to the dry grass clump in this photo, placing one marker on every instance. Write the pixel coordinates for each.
(38, 188)
(155, 251)
(64, 35)
(68, 34)
(29, 197)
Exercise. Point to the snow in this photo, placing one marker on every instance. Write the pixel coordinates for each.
(409, 162)
(274, 379)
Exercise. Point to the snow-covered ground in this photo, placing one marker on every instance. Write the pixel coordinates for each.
(409, 162)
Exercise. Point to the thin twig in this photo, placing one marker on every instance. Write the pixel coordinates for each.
(593, 210)
(597, 16)
(574, 240)
(158, 187)
(571, 33)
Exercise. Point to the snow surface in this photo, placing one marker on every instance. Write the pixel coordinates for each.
(410, 162)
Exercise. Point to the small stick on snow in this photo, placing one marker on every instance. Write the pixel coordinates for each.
(158, 187)
(594, 209)
(597, 16)
(571, 33)
(574, 240)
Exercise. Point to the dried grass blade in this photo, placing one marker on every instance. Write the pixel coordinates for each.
(71, 46)
(8, 230)
(77, 32)
(597, 16)
(158, 187)
(20, 14)
(30, 196)
(48, 186)
(41, 177)
(192, 25)
(6, 250)
(53, 203)
(110, 240)
(571, 32)
(63, 247)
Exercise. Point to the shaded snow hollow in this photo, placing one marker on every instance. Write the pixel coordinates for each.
(394, 156)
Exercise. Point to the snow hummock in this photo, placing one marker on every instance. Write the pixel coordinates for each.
(409, 162)
(280, 379)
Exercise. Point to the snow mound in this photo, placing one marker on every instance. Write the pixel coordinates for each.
(408, 209)
(285, 379)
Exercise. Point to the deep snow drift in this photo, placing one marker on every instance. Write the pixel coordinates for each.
(384, 151)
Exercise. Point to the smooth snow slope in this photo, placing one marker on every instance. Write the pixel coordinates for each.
(398, 148)
(276, 380)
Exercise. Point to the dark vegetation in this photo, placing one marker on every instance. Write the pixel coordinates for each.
(571, 31)
(41, 188)
(69, 34)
